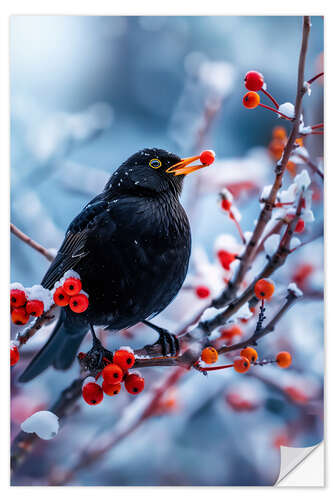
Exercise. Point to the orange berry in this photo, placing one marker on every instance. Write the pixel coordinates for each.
(276, 148)
(17, 298)
(60, 297)
(253, 80)
(207, 157)
(299, 141)
(264, 289)
(19, 316)
(92, 393)
(72, 286)
(14, 355)
(283, 359)
(112, 373)
(35, 308)
(249, 353)
(301, 274)
(79, 303)
(279, 133)
(111, 389)
(251, 100)
(134, 383)
(209, 355)
(123, 358)
(231, 331)
(292, 168)
(202, 292)
(241, 364)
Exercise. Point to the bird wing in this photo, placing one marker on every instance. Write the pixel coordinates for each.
(73, 248)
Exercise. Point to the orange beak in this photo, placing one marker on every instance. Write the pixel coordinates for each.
(182, 168)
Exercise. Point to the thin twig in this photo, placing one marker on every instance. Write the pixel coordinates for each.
(33, 244)
(27, 333)
(266, 213)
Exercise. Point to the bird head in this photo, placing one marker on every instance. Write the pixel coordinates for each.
(156, 170)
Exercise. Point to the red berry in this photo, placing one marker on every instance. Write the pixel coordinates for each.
(264, 289)
(112, 374)
(14, 355)
(35, 308)
(253, 80)
(226, 258)
(17, 298)
(111, 389)
(226, 204)
(230, 332)
(123, 358)
(300, 226)
(284, 359)
(72, 286)
(251, 100)
(92, 393)
(202, 292)
(60, 297)
(241, 364)
(79, 303)
(134, 383)
(207, 157)
(19, 316)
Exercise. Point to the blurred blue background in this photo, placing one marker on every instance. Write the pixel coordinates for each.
(86, 93)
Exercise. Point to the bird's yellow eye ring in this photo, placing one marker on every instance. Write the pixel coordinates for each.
(155, 163)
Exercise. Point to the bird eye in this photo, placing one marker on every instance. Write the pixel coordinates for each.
(155, 163)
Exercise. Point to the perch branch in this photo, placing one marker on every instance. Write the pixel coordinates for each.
(33, 244)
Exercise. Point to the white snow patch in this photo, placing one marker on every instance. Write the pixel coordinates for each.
(43, 423)
(271, 244)
(37, 292)
(287, 109)
(17, 286)
(265, 192)
(126, 348)
(292, 287)
(302, 180)
(71, 274)
(294, 242)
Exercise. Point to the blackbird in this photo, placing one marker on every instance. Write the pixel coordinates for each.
(131, 246)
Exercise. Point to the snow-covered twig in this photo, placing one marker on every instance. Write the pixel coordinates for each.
(30, 331)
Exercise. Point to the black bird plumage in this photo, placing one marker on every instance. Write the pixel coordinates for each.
(131, 246)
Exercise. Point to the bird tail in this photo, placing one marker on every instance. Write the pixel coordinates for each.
(60, 350)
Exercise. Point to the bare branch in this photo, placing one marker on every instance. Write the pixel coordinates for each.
(33, 244)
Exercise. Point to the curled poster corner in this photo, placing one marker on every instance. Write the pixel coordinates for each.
(294, 460)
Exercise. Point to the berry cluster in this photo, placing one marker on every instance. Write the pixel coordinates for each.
(26, 302)
(14, 353)
(114, 373)
(68, 292)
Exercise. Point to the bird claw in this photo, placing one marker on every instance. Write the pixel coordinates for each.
(168, 342)
(95, 359)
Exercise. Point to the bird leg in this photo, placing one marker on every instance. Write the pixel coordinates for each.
(97, 358)
(168, 341)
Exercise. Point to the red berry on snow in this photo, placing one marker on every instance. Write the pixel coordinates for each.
(92, 393)
(207, 157)
(253, 80)
(19, 316)
(226, 258)
(241, 364)
(14, 355)
(111, 389)
(35, 308)
(251, 100)
(300, 226)
(112, 374)
(134, 383)
(249, 353)
(60, 297)
(283, 359)
(17, 298)
(202, 292)
(72, 286)
(79, 303)
(123, 358)
(226, 204)
(264, 289)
